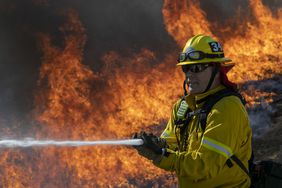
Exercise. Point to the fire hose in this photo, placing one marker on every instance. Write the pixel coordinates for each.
(68, 143)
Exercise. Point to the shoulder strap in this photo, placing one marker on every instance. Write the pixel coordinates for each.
(239, 163)
(211, 100)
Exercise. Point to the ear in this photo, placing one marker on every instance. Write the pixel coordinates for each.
(226, 68)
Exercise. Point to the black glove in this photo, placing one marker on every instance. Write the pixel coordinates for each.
(154, 148)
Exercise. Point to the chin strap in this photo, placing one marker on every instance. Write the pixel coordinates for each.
(214, 72)
(184, 87)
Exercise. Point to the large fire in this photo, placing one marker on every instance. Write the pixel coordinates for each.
(129, 94)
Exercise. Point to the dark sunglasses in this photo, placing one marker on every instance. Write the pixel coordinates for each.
(195, 68)
(197, 55)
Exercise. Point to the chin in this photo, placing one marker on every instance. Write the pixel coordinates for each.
(194, 91)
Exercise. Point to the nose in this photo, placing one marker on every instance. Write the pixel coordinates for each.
(190, 75)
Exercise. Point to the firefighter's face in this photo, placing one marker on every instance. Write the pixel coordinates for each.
(198, 81)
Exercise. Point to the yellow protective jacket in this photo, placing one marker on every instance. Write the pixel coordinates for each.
(203, 162)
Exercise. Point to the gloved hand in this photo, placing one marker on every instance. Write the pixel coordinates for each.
(154, 148)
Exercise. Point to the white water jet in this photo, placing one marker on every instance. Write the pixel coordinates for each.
(9, 143)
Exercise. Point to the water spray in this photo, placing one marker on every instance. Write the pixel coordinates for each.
(9, 143)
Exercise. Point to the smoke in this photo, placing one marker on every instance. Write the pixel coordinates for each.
(274, 5)
(230, 18)
(261, 115)
(20, 61)
(223, 11)
(123, 26)
(220, 10)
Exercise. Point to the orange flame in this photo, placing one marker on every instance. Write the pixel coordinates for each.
(183, 19)
(67, 105)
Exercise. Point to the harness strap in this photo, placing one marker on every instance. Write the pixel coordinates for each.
(211, 100)
(239, 163)
(225, 151)
(184, 87)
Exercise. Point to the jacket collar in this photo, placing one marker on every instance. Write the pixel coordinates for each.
(196, 101)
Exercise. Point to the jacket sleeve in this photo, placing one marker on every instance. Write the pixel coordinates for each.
(223, 137)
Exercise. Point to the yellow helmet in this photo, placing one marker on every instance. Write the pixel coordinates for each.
(202, 49)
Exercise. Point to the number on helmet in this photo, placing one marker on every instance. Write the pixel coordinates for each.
(215, 47)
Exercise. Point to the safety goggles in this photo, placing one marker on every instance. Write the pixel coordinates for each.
(195, 68)
(197, 55)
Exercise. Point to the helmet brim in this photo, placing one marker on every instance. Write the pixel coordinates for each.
(220, 60)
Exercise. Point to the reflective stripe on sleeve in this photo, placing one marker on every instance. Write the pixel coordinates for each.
(217, 147)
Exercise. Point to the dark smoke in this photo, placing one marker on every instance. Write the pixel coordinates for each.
(229, 18)
(20, 58)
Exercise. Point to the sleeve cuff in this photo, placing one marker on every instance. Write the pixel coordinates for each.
(167, 162)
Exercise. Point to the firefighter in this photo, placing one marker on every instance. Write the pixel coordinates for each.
(207, 140)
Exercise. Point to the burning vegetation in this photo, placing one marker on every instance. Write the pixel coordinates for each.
(130, 93)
